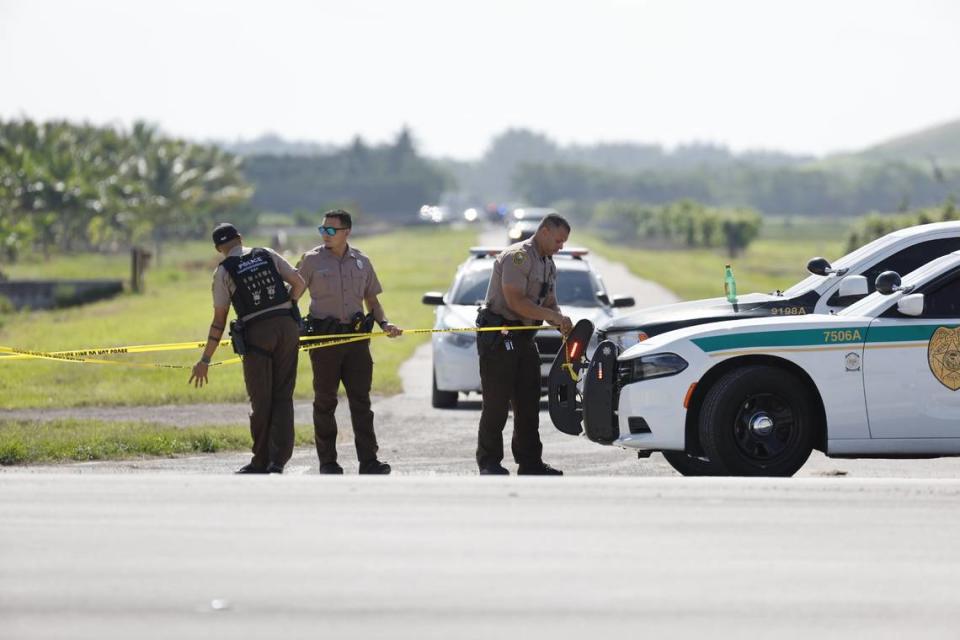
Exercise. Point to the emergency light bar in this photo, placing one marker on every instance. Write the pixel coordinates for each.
(489, 252)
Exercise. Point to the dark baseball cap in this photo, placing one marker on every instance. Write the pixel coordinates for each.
(224, 232)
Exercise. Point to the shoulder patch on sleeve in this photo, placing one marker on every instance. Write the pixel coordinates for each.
(519, 257)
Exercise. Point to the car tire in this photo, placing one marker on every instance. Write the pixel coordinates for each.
(443, 399)
(690, 465)
(758, 421)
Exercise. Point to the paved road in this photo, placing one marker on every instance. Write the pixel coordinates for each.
(177, 556)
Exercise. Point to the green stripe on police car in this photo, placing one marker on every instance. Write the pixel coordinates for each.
(816, 337)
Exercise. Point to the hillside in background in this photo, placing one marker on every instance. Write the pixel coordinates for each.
(940, 144)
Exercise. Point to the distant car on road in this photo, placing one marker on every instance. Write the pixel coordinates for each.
(531, 213)
(434, 214)
(456, 365)
(521, 230)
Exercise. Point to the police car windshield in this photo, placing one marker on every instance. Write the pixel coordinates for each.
(575, 288)
(848, 261)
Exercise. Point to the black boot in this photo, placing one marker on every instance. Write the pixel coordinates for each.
(374, 467)
(538, 469)
(331, 468)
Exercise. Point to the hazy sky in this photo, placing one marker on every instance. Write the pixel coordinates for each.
(804, 76)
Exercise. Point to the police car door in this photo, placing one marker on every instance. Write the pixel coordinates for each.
(911, 366)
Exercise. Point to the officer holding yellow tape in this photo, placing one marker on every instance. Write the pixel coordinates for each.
(522, 291)
(265, 333)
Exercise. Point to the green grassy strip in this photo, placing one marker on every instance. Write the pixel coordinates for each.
(30, 441)
(177, 308)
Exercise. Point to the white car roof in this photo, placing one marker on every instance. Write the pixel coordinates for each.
(930, 227)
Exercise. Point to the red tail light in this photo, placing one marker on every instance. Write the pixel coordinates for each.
(574, 350)
(599, 371)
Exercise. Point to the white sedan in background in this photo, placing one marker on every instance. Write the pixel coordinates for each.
(456, 365)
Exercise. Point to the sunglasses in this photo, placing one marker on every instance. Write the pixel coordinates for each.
(330, 231)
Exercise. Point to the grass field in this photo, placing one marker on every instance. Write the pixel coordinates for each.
(28, 441)
(177, 308)
(775, 260)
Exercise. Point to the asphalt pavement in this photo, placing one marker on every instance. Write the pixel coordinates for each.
(205, 556)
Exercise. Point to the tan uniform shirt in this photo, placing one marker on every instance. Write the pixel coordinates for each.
(521, 266)
(338, 285)
(223, 285)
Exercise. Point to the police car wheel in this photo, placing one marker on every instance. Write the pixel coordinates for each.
(690, 465)
(443, 399)
(758, 421)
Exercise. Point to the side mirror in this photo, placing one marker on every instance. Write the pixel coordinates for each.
(434, 298)
(603, 298)
(911, 305)
(818, 266)
(620, 302)
(854, 286)
(888, 282)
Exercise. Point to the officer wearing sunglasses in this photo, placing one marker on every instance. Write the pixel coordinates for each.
(341, 280)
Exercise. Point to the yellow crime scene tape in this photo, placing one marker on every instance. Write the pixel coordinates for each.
(88, 355)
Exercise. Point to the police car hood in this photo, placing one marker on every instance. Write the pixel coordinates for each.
(692, 312)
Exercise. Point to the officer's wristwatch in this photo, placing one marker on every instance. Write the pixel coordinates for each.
(204, 360)
(383, 323)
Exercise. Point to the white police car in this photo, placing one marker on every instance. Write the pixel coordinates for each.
(829, 288)
(456, 365)
(753, 397)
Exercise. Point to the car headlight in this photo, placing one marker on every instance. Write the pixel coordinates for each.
(626, 339)
(657, 365)
(460, 339)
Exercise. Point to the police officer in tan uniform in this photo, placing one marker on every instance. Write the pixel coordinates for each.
(341, 280)
(252, 279)
(522, 291)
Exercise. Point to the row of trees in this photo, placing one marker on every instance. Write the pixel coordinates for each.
(875, 225)
(387, 180)
(820, 190)
(684, 223)
(71, 186)
(491, 176)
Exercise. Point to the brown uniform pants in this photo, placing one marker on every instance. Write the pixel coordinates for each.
(505, 376)
(270, 373)
(352, 364)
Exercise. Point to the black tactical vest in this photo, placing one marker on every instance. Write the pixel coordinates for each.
(257, 281)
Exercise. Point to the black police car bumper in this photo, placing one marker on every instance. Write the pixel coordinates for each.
(600, 395)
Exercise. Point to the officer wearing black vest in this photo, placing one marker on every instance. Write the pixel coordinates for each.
(266, 333)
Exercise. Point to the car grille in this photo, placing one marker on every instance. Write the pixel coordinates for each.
(549, 346)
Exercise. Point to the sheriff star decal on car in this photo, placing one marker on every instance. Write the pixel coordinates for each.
(943, 352)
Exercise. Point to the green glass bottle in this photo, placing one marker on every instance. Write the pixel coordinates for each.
(729, 284)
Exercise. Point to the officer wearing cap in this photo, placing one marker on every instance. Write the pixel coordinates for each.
(522, 291)
(266, 333)
(341, 280)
